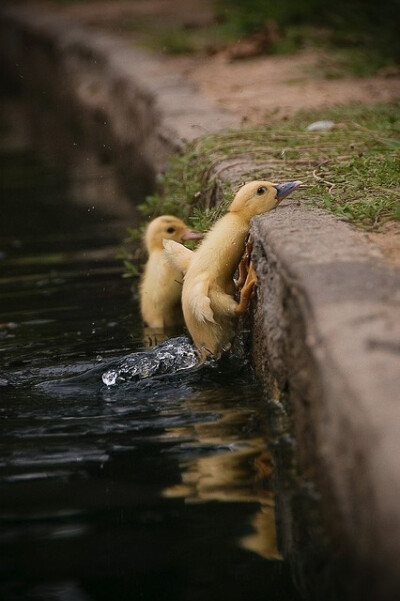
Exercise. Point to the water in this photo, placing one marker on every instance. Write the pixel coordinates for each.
(154, 492)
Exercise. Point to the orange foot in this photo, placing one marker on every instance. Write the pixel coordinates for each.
(247, 279)
(244, 264)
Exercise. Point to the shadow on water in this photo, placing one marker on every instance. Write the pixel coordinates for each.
(152, 489)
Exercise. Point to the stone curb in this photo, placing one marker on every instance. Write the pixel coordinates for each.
(327, 333)
(327, 317)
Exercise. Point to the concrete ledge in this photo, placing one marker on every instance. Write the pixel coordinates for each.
(327, 317)
(327, 334)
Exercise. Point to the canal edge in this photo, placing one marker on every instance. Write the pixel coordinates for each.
(326, 320)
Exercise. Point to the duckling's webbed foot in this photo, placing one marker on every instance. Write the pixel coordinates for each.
(247, 290)
(247, 278)
(243, 267)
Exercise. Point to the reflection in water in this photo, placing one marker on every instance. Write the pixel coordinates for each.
(154, 336)
(233, 467)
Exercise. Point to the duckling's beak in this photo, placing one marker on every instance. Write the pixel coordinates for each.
(191, 235)
(285, 189)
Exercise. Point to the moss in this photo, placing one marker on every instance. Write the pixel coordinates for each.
(351, 171)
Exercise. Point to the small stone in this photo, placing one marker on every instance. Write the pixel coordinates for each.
(320, 126)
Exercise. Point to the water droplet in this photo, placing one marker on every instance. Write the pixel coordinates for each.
(109, 377)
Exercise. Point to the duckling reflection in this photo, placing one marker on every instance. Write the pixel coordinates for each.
(221, 463)
(263, 540)
(152, 337)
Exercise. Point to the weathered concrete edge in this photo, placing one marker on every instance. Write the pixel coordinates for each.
(327, 333)
(325, 319)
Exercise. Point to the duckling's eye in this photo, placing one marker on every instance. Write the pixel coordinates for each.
(170, 230)
(261, 190)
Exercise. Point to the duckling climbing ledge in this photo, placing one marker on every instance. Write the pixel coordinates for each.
(326, 321)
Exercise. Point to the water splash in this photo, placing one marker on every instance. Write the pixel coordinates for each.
(169, 368)
(169, 357)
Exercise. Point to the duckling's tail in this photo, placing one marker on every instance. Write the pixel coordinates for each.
(177, 255)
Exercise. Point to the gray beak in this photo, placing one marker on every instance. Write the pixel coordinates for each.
(285, 189)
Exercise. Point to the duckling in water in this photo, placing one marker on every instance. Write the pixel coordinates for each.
(209, 308)
(161, 286)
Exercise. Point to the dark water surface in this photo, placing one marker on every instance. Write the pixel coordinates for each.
(161, 493)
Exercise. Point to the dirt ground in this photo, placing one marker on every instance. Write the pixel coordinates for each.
(258, 88)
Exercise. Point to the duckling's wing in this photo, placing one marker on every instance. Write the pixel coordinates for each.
(177, 255)
(200, 302)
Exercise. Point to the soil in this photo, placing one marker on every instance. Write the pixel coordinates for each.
(388, 242)
(257, 88)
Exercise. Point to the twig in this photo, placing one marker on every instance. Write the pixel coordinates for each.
(321, 180)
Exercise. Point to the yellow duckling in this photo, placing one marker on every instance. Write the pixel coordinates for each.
(209, 308)
(161, 286)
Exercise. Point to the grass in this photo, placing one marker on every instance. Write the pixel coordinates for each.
(338, 59)
(367, 26)
(351, 171)
(336, 62)
(181, 40)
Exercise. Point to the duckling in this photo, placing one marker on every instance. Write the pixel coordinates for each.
(161, 285)
(209, 309)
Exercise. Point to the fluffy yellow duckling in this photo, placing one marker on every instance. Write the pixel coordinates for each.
(161, 286)
(209, 308)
